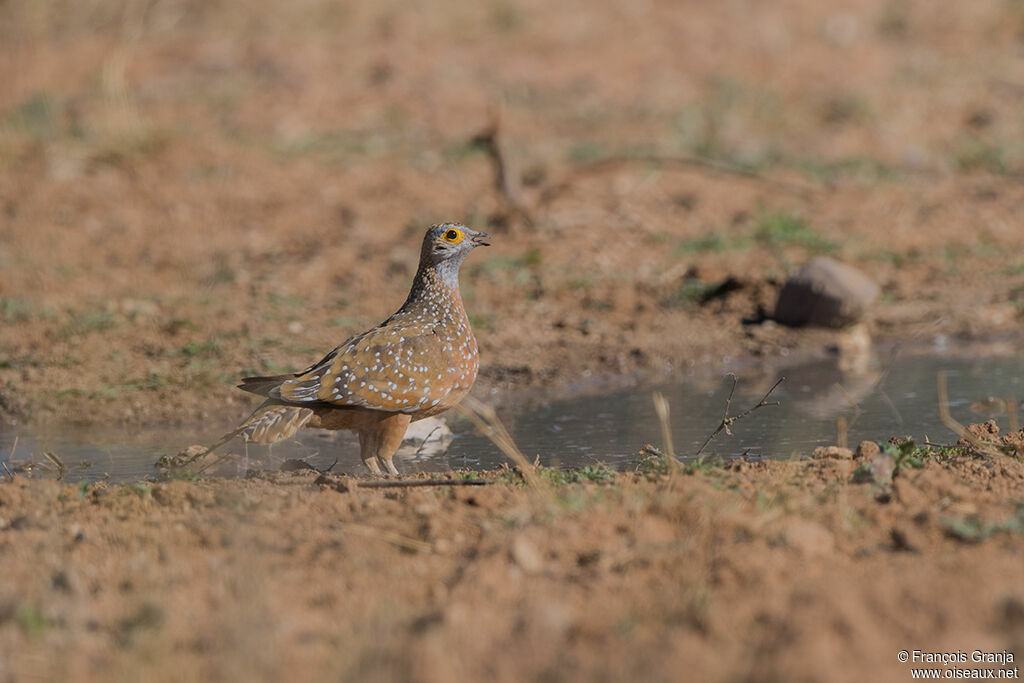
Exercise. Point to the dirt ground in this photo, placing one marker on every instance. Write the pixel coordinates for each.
(814, 570)
(195, 191)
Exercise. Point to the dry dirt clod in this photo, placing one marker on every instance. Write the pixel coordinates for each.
(903, 539)
(836, 452)
(866, 450)
(987, 431)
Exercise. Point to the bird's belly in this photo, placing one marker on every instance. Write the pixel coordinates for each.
(339, 417)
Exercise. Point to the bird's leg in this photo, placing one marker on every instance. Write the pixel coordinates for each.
(368, 439)
(393, 430)
(383, 437)
(372, 465)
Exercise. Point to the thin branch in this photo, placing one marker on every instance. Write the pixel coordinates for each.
(423, 444)
(57, 462)
(953, 425)
(727, 421)
(486, 421)
(216, 461)
(210, 449)
(10, 457)
(409, 483)
(506, 181)
(931, 444)
(662, 409)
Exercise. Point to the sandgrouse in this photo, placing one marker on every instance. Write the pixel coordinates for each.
(419, 362)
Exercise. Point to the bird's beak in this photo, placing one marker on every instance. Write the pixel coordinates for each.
(480, 239)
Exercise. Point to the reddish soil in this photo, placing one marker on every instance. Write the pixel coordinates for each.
(755, 571)
(194, 191)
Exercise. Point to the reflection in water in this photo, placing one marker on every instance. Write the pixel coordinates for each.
(891, 396)
(824, 392)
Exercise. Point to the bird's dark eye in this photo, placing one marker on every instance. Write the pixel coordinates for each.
(453, 236)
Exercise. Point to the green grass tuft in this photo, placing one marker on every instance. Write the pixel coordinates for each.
(783, 229)
(31, 620)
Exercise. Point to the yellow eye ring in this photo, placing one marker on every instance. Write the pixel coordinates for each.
(453, 235)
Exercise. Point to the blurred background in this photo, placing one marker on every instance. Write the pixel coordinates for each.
(192, 191)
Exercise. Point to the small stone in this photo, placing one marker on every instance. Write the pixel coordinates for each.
(903, 539)
(526, 555)
(826, 293)
(866, 450)
(1011, 610)
(881, 466)
(832, 452)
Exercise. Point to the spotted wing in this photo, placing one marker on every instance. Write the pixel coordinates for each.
(395, 368)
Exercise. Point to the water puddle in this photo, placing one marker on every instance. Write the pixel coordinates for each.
(894, 394)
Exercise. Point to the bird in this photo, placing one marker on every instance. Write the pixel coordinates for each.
(417, 363)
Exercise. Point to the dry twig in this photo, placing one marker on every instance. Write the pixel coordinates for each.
(57, 462)
(423, 444)
(953, 424)
(391, 537)
(661, 407)
(410, 483)
(486, 420)
(506, 181)
(10, 457)
(727, 421)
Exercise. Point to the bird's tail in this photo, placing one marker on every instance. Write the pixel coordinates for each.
(269, 423)
(263, 385)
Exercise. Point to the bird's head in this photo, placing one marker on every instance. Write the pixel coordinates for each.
(450, 243)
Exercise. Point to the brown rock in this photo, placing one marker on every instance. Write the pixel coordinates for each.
(866, 449)
(826, 293)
